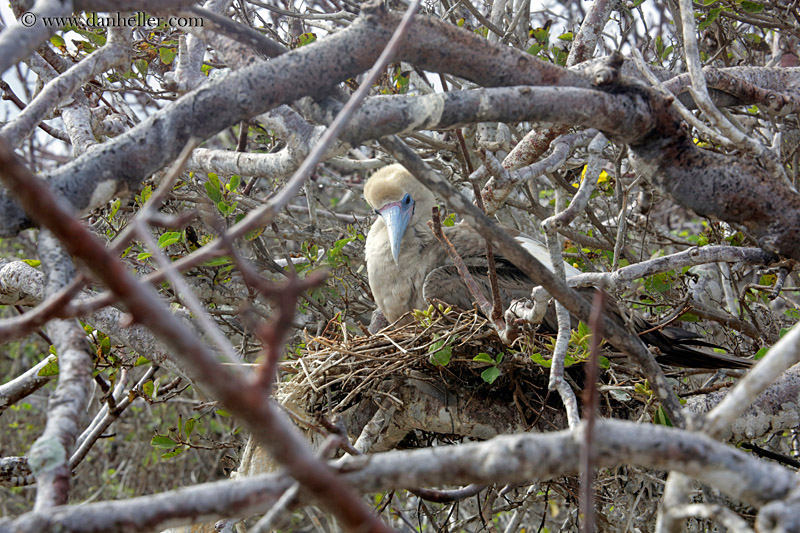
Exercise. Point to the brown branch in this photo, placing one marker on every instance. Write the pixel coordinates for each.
(735, 82)
(48, 456)
(143, 149)
(24, 385)
(474, 289)
(538, 273)
(590, 405)
(19, 326)
(448, 496)
(734, 189)
(497, 303)
(85, 443)
(505, 459)
(8, 94)
(240, 396)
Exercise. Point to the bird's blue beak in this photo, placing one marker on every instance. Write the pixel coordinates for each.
(397, 215)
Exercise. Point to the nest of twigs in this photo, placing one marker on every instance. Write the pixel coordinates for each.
(457, 350)
(343, 367)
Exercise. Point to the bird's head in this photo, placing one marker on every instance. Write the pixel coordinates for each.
(399, 199)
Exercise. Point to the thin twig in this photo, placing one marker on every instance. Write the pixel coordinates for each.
(474, 289)
(590, 405)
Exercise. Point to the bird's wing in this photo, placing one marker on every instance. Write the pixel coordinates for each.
(470, 244)
(444, 282)
(677, 346)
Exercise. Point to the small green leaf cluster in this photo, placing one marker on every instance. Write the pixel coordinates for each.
(190, 435)
(440, 352)
(578, 350)
(542, 49)
(221, 193)
(493, 372)
(177, 440)
(431, 315)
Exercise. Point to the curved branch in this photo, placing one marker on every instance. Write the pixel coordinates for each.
(505, 459)
(310, 70)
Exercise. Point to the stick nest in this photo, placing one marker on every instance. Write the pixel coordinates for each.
(337, 369)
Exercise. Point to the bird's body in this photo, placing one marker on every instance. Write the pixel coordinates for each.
(396, 288)
(407, 267)
(397, 274)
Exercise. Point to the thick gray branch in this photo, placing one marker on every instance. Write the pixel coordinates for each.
(506, 459)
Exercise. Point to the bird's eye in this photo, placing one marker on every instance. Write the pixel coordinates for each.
(407, 199)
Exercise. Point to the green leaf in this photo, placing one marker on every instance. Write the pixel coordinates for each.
(484, 357)
(212, 190)
(566, 36)
(438, 344)
(105, 346)
(148, 388)
(711, 17)
(225, 208)
(753, 38)
(218, 261)
(142, 360)
(173, 453)
(168, 238)
(32, 262)
(50, 369)
(761, 353)
(441, 357)
(306, 38)
(95, 37)
(559, 55)
(535, 49)
(146, 193)
(141, 66)
(752, 7)
(233, 184)
(162, 441)
(166, 55)
(57, 41)
(541, 361)
(490, 374)
(401, 81)
(661, 417)
(144, 255)
(449, 220)
(223, 413)
(188, 427)
(542, 35)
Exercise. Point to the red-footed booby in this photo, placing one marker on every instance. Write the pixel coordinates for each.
(407, 267)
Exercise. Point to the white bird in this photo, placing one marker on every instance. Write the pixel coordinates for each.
(407, 267)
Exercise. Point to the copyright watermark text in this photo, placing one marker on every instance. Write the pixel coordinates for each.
(112, 20)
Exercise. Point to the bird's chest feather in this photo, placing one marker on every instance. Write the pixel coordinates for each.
(397, 287)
